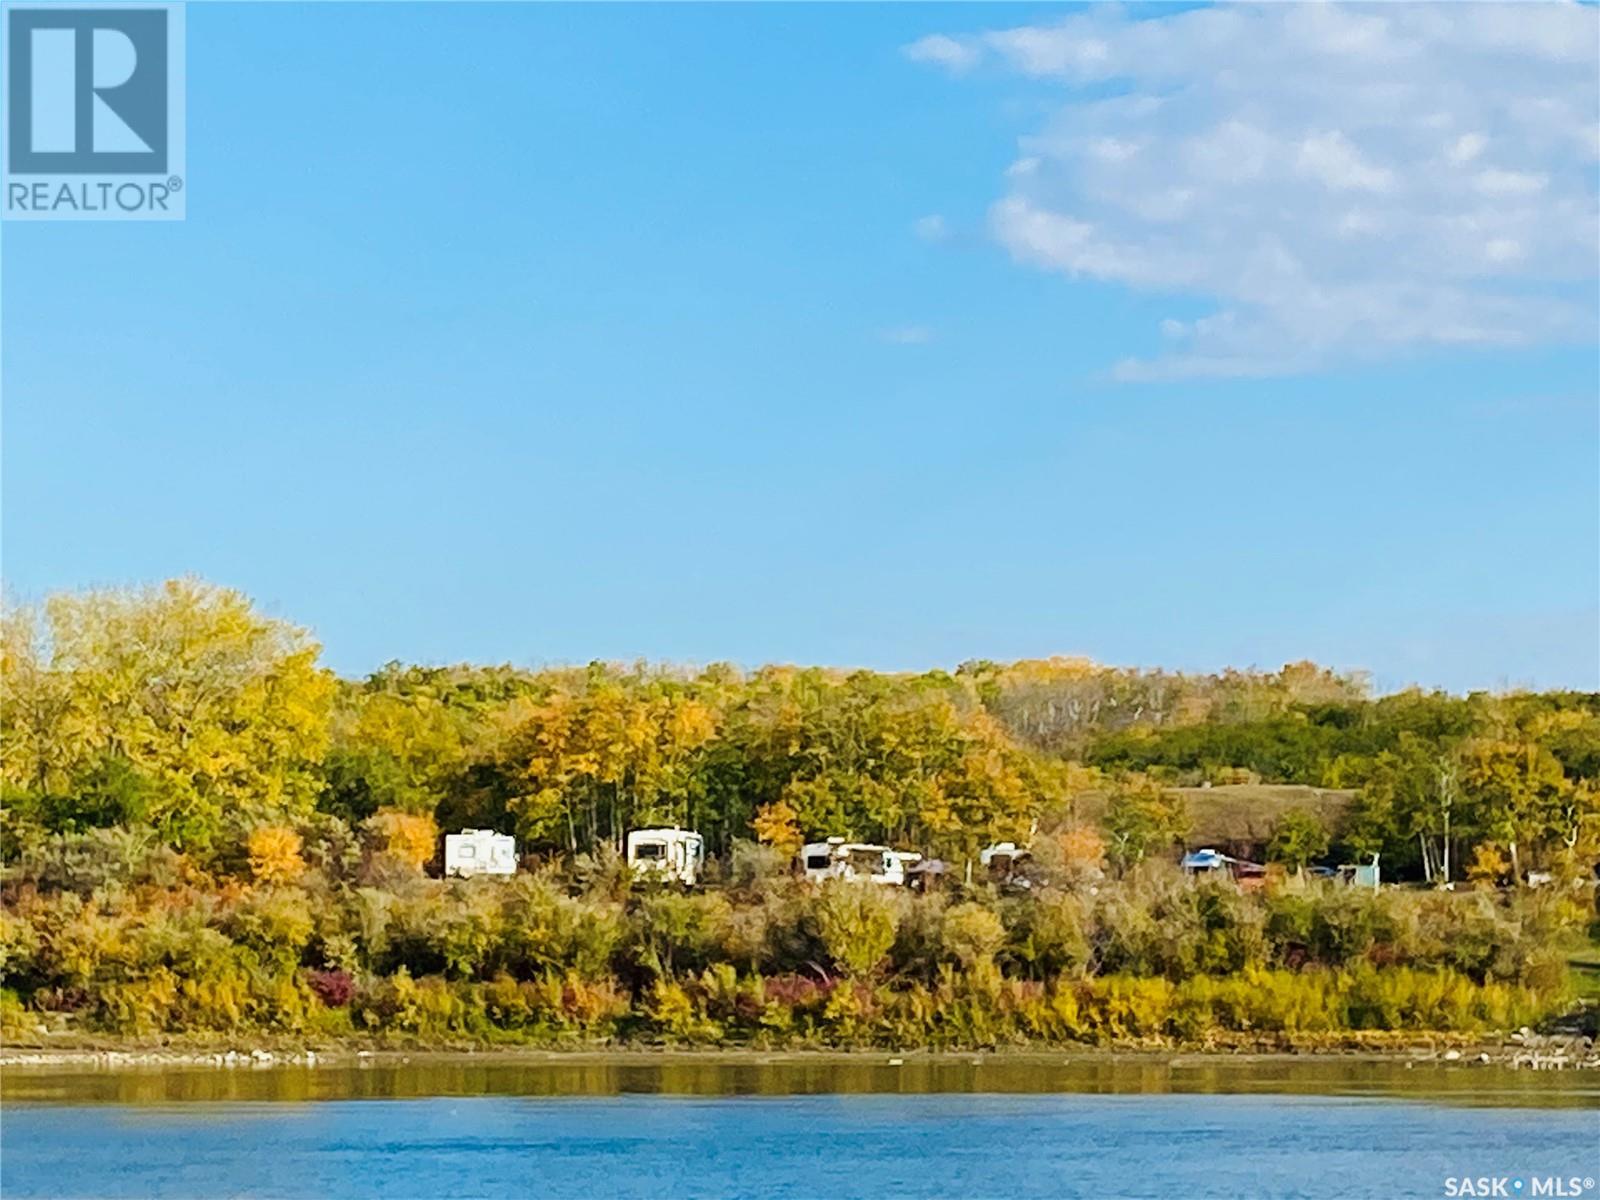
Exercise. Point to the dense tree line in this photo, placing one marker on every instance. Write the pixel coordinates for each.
(206, 832)
(184, 710)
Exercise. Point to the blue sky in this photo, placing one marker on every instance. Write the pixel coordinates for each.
(841, 334)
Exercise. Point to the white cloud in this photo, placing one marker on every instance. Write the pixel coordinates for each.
(1340, 182)
(1502, 250)
(906, 335)
(1466, 148)
(1331, 158)
(945, 51)
(1495, 182)
(931, 228)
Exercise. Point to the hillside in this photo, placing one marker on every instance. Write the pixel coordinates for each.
(1237, 814)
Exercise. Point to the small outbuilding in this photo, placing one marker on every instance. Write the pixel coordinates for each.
(1361, 875)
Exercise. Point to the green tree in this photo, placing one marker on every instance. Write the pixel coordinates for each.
(1298, 838)
(1520, 791)
(1142, 819)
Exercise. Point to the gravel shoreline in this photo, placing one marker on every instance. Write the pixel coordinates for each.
(1521, 1050)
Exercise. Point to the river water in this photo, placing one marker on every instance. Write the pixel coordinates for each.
(726, 1127)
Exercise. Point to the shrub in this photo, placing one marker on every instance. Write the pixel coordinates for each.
(1083, 851)
(334, 988)
(856, 924)
(673, 932)
(544, 930)
(275, 854)
(331, 847)
(98, 859)
(1488, 866)
(753, 862)
(276, 925)
(972, 934)
(1049, 934)
(444, 929)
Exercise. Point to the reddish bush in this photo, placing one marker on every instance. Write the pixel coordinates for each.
(334, 988)
(796, 991)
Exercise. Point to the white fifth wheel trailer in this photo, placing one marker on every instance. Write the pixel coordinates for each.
(860, 861)
(479, 852)
(674, 854)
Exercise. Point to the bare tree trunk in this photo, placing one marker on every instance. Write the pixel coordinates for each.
(1447, 843)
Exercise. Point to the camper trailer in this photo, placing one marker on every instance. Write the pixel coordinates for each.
(1208, 862)
(672, 854)
(861, 861)
(1006, 864)
(817, 859)
(479, 852)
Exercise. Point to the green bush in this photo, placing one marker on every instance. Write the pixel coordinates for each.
(856, 925)
(972, 934)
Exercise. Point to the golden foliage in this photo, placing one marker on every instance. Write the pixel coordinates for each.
(275, 854)
(1488, 866)
(185, 687)
(777, 825)
(1082, 848)
(409, 837)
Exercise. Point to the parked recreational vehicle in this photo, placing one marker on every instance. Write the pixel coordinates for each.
(479, 852)
(1006, 864)
(1246, 874)
(862, 861)
(817, 859)
(673, 854)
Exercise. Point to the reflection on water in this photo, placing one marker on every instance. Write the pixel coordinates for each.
(595, 1075)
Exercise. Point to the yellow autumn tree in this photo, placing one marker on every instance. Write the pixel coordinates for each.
(777, 825)
(36, 721)
(1488, 866)
(181, 692)
(1082, 849)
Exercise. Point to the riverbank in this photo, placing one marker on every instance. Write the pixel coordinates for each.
(1523, 1049)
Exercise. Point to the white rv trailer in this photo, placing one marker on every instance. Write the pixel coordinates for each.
(673, 854)
(1007, 864)
(479, 852)
(817, 859)
(859, 861)
(1006, 852)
